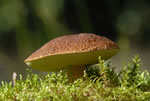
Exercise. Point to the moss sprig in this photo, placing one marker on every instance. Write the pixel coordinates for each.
(99, 83)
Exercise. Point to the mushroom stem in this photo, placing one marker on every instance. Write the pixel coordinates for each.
(75, 72)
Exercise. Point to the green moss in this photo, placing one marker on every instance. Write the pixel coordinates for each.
(100, 83)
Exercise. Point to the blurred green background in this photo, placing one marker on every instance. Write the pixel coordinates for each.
(25, 25)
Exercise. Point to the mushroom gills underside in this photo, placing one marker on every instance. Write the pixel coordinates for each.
(54, 63)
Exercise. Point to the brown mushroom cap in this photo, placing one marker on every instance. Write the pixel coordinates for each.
(72, 50)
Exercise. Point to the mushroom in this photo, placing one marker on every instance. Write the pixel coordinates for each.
(73, 53)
